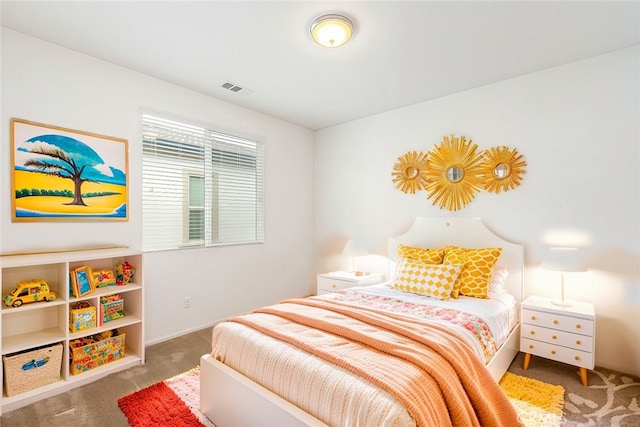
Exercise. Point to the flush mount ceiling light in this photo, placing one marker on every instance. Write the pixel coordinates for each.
(331, 30)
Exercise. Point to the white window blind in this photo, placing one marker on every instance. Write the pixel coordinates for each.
(200, 187)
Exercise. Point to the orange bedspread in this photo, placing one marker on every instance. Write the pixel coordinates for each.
(422, 364)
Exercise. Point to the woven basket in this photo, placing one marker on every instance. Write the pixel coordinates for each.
(31, 369)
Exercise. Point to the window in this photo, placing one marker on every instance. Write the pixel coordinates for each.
(200, 187)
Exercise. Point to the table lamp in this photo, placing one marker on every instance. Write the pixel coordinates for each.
(564, 260)
(351, 249)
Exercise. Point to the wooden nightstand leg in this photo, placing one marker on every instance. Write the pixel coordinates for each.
(583, 376)
(527, 359)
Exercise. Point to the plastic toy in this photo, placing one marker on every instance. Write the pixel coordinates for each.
(124, 273)
(35, 363)
(29, 291)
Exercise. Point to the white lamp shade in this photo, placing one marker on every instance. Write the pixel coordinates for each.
(563, 259)
(351, 248)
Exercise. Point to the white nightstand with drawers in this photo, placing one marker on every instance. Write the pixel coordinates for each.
(564, 334)
(336, 280)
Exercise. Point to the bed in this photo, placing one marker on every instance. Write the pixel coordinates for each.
(237, 381)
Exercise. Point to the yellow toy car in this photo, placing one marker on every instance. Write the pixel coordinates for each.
(29, 291)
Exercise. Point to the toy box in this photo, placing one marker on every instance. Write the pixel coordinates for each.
(93, 351)
(31, 369)
(81, 318)
(111, 308)
(102, 278)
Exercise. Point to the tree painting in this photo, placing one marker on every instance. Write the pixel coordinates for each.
(60, 174)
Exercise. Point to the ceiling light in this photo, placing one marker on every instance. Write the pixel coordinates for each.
(331, 30)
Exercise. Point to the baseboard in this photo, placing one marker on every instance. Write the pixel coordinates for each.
(180, 333)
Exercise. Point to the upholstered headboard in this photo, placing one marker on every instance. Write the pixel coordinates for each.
(467, 233)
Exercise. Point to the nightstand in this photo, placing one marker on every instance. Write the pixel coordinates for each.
(563, 334)
(336, 280)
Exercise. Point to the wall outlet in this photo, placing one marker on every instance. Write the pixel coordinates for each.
(187, 302)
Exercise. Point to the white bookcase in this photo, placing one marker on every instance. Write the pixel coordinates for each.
(47, 322)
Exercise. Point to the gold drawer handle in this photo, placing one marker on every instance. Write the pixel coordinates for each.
(532, 332)
(333, 285)
(577, 357)
(530, 345)
(578, 342)
(553, 337)
(578, 326)
(555, 322)
(533, 317)
(553, 352)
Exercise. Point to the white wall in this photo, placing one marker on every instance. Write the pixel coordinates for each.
(577, 126)
(48, 84)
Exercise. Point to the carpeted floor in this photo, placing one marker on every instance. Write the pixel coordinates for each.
(611, 399)
(95, 404)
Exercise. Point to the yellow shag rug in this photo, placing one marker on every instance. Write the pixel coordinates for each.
(538, 404)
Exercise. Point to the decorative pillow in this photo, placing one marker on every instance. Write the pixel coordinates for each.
(432, 280)
(429, 256)
(477, 267)
(498, 279)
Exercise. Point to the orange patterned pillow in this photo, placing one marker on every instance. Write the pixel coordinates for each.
(476, 271)
(428, 256)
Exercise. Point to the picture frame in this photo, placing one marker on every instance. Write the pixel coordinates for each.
(61, 174)
(82, 281)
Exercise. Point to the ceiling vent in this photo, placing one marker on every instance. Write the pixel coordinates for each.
(232, 87)
(235, 88)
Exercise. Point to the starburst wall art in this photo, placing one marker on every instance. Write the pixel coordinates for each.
(410, 172)
(64, 174)
(453, 171)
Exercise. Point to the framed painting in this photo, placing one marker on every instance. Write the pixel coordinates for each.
(81, 279)
(61, 174)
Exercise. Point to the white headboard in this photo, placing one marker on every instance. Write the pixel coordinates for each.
(467, 233)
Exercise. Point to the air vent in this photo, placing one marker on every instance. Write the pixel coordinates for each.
(236, 88)
(232, 87)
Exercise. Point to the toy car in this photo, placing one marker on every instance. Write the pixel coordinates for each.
(29, 291)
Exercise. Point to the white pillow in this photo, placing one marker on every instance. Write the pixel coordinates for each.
(432, 280)
(498, 279)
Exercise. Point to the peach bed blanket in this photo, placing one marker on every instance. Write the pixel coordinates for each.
(425, 367)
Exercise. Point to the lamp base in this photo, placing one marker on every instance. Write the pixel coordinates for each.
(561, 303)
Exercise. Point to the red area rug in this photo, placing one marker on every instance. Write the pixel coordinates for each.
(172, 402)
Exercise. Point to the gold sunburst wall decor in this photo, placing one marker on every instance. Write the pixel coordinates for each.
(410, 172)
(454, 173)
(502, 169)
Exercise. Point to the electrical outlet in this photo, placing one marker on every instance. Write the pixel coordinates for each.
(187, 302)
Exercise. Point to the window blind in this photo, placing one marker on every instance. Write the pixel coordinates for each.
(200, 187)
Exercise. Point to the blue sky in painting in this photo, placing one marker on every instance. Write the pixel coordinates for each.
(81, 154)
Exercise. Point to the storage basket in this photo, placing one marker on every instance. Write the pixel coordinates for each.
(93, 351)
(31, 369)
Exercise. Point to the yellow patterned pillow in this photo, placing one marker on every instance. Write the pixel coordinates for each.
(476, 271)
(432, 280)
(429, 256)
